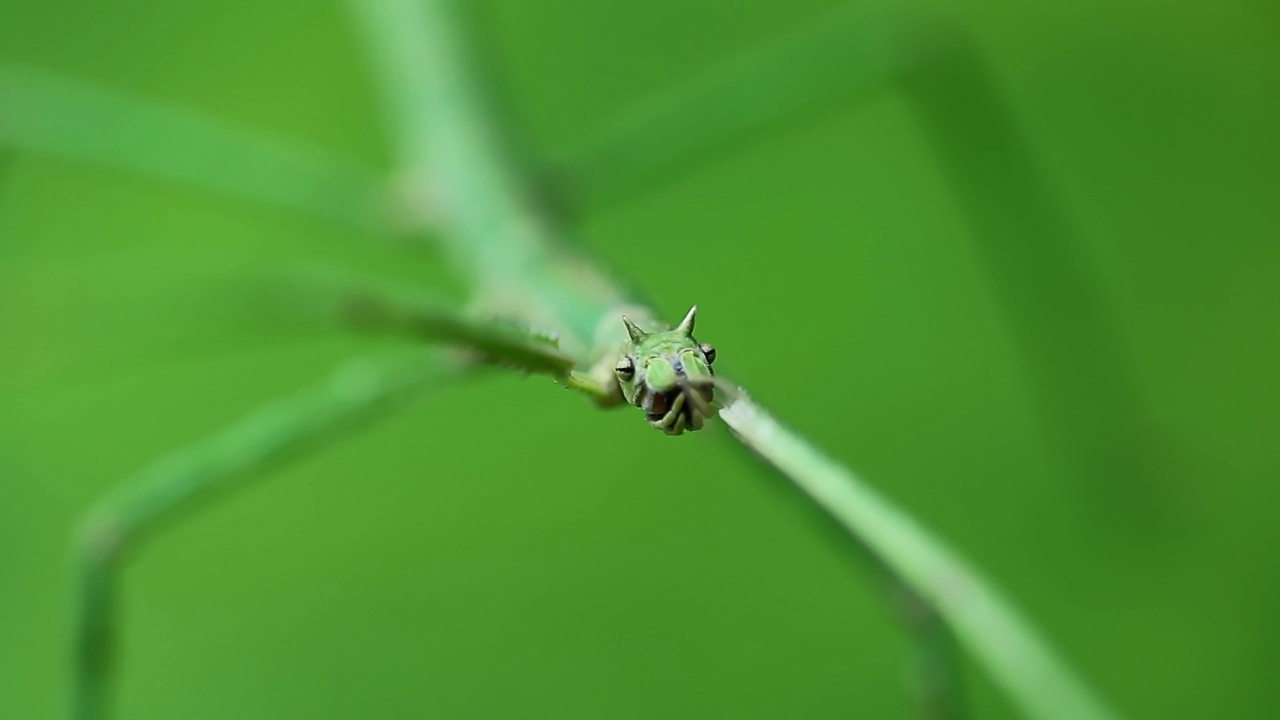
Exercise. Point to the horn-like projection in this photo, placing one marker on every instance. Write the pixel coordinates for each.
(686, 325)
(633, 330)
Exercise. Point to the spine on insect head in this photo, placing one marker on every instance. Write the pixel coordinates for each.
(686, 325)
(633, 331)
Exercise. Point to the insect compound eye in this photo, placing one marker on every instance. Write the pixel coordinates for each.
(626, 368)
(708, 351)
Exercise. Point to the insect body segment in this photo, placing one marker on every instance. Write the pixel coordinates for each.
(668, 375)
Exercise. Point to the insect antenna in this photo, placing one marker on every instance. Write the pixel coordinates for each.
(718, 383)
(734, 392)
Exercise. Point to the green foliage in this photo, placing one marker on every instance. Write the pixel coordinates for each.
(502, 536)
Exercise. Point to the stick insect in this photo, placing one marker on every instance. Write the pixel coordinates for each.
(539, 306)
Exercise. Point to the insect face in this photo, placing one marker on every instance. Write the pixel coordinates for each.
(668, 375)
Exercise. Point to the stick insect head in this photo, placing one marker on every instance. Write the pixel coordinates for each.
(668, 375)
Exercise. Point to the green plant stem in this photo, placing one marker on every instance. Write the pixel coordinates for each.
(244, 451)
(44, 112)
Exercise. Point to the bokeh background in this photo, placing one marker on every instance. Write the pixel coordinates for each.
(500, 549)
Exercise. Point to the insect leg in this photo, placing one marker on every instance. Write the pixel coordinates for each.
(244, 451)
(605, 394)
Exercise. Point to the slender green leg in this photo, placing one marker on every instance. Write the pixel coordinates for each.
(851, 51)
(273, 435)
(1097, 421)
(104, 126)
(605, 394)
(933, 657)
(181, 481)
(371, 305)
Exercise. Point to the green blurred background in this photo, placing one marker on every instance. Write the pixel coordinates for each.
(500, 549)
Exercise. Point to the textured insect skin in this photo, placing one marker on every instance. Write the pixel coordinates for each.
(668, 375)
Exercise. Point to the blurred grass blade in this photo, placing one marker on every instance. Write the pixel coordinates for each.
(851, 51)
(44, 112)
(179, 482)
(984, 622)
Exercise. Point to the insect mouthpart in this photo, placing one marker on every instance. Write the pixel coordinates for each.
(685, 408)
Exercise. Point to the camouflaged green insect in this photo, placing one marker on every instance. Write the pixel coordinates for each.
(668, 375)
